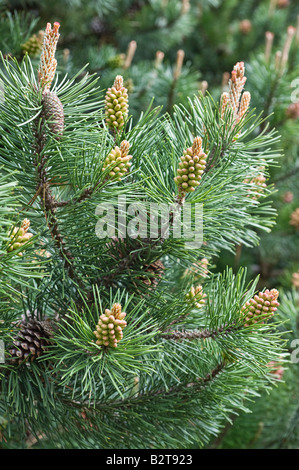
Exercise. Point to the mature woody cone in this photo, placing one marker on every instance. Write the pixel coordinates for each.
(32, 340)
(53, 112)
(155, 272)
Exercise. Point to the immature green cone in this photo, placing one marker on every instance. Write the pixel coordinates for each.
(196, 296)
(191, 167)
(109, 330)
(118, 161)
(261, 307)
(116, 61)
(20, 236)
(33, 45)
(53, 112)
(116, 104)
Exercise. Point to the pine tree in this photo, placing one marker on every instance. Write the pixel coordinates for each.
(126, 349)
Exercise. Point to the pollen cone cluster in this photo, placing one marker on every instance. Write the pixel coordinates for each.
(234, 99)
(109, 330)
(191, 167)
(33, 45)
(196, 296)
(260, 183)
(20, 236)
(118, 161)
(53, 112)
(116, 104)
(261, 307)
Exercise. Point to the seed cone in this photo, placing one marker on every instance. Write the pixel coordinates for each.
(109, 330)
(116, 104)
(53, 112)
(261, 307)
(32, 340)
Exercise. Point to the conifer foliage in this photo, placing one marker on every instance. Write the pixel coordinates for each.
(112, 341)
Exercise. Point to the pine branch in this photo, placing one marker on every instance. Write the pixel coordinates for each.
(48, 202)
(200, 334)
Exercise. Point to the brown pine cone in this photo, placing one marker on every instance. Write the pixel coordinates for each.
(53, 112)
(32, 340)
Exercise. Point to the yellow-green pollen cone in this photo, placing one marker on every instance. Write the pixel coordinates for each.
(116, 104)
(109, 330)
(191, 168)
(20, 236)
(118, 161)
